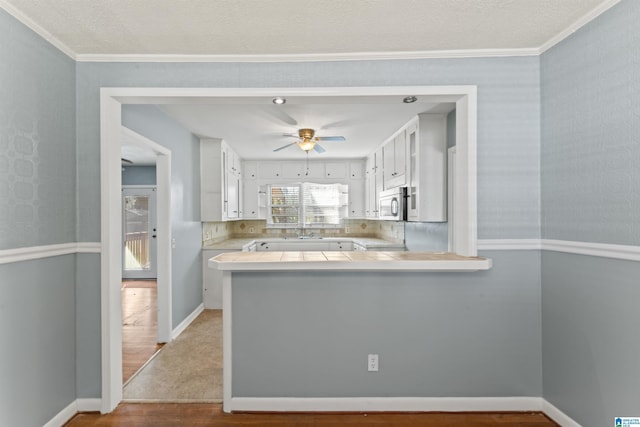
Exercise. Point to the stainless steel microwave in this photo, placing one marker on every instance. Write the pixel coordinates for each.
(392, 204)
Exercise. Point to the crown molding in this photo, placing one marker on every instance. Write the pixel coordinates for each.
(581, 22)
(318, 57)
(36, 28)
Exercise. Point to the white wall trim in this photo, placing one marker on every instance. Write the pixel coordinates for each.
(187, 321)
(581, 22)
(314, 57)
(89, 405)
(63, 416)
(386, 404)
(605, 250)
(36, 252)
(78, 405)
(509, 244)
(557, 415)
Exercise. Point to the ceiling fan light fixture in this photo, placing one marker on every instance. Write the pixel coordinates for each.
(307, 144)
(278, 100)
(409, 99)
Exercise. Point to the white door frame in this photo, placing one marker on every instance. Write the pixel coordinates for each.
(163, 224)
(111, 100)
(111, 136)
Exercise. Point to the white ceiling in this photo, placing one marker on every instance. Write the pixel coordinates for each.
(255, 130)
(268, 30)
(300, 27)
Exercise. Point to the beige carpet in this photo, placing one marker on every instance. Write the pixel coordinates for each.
(188, 369)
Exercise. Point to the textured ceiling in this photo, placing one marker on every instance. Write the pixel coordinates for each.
(299, 27)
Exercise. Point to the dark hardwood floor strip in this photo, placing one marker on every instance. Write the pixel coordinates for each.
(198, 414)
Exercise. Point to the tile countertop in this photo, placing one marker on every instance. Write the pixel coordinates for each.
(367, 242)
(396, 261)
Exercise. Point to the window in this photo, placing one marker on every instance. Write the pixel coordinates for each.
(307, 205)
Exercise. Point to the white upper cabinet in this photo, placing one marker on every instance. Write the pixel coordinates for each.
(427, 154)
(220, 183)
(394, 158)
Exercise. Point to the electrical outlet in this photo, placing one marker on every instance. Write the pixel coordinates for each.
(252, 229)
(347, 230)
(372, 363)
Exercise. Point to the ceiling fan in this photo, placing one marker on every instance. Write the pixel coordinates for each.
(308, 141)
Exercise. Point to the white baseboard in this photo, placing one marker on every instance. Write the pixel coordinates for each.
(557, 415)
(186, 322)
(78, 405)
(385, 404)
(361, 404)
(89, 405)
(63, 416)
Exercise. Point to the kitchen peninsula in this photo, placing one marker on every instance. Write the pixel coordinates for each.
(299, 325)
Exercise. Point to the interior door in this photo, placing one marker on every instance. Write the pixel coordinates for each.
(139, 233)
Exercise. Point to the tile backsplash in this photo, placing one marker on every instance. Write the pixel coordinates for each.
(213, 232)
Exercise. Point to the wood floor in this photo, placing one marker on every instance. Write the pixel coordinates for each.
(139, 325)
(199, 415)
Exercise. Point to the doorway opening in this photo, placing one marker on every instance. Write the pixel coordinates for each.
(111, 101)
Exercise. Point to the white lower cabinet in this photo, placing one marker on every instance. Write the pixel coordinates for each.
(212, 280)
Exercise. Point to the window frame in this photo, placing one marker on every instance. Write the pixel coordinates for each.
(342, 208)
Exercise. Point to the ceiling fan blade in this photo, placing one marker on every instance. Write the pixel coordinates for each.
(319, 149)
(330, 138)
(285, 146)
(294, 135)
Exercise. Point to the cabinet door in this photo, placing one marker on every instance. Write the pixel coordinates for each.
(293, 170)
(269, 170)
(250, 170)
(412, 171)
(356, 198)
(335, 170)
(233, 196)
(250, 197)
(314, 170)
(400, 151)
(356, 170)
(211, 281)
(388, 168)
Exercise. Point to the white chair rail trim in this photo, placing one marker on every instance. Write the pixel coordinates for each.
(604, 250)
(37, 252)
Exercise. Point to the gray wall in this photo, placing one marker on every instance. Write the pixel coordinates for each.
(139, 175)
(186, 229)
(37, 140)
(437, 334)
(508, 139)
(508, 122)
(37, 207)
(37, 326)
(590, 337)
(590, 193)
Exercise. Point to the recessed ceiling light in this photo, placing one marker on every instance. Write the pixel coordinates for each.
(409, 99)
(278, 101)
